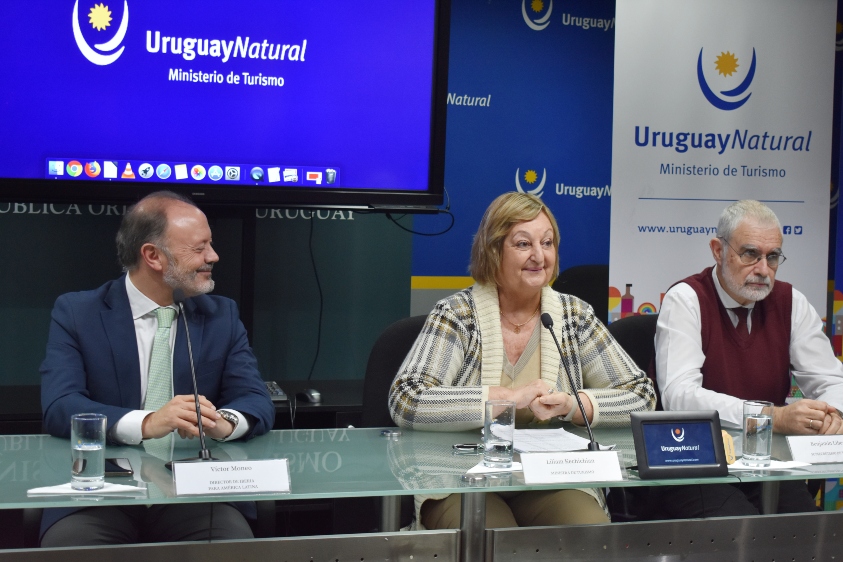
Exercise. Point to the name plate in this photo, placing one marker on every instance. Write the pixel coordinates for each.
(231, 477)
(588, 466)
(816, 449)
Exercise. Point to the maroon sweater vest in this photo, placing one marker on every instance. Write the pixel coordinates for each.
(757, 368)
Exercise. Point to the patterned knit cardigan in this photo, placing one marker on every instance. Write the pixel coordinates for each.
(445, 380)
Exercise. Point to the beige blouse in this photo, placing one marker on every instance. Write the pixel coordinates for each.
(526, 370)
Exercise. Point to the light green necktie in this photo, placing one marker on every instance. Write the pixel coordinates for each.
(159, 388)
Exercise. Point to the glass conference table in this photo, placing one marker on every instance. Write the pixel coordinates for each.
(342, 463)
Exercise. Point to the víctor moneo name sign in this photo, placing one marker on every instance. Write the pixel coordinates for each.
(231, 477)
(588, 466)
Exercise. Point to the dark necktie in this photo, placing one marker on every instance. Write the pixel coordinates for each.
(742, 327)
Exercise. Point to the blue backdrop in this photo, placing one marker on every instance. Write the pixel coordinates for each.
(533, 101)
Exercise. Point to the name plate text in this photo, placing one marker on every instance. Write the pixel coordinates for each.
(588, 466)
(816, 449)
(231, 477)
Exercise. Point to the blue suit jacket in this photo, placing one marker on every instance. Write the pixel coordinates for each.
(92, 361)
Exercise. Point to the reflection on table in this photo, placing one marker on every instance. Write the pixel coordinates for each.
(325, 463)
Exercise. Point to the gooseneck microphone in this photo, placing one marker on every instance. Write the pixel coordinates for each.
(204, 453)
(547, 322)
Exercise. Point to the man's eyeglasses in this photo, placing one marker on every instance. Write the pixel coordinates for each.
(751, 257)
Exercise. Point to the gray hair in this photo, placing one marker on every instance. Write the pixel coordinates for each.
(145, 223)
(732, 216)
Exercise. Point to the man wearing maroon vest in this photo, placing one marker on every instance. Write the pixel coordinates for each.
(732, 333)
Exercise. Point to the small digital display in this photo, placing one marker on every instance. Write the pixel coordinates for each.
(679, 443)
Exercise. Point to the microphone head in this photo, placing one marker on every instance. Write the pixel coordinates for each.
(178, 296)
(547, 321)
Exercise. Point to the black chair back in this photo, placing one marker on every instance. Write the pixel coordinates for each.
(589, 283)
(387, 355)
(635, 334)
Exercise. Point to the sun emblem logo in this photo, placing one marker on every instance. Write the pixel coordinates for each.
(726, 64)
(100, 19)
(536, 7)
(530, 177)
(678, 434)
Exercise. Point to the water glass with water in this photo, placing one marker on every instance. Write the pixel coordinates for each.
(757, 432)
(498, 433)
(87, 447)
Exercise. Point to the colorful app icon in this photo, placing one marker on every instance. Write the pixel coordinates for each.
(315, 177)
(163, 171)
(74, 168)
(215, 173)
(181, 171)
(197, 172)
(256, 174)
(109, 169)
(56, 168)
(232, 173)
(146, 170)
(291, 175)
(92, 169)
(128, 174)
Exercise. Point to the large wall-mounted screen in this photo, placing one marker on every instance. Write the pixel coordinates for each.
(336, 102)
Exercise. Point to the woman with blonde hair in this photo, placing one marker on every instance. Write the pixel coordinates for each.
(486, 343)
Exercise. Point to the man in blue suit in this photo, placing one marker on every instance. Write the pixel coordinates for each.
(98, 360)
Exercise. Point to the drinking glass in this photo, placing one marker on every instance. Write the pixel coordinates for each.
(87, 447)
(498, 433)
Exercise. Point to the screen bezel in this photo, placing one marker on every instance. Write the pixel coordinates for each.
(647, 472)
(358, 198)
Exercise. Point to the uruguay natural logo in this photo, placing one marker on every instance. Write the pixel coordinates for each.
(99, 28)
(535, 20)
(530, 177)
(726, 65)
(678, 434)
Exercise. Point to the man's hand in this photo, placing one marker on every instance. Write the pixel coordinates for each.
(804, 417)
(222, 430)
(833, 423)
(180, 414)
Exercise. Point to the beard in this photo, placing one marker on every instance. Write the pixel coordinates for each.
(188, 281)
(746, 291)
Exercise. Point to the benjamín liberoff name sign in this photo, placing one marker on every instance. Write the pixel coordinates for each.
(231, 477)
(590, 466)
(816, 449)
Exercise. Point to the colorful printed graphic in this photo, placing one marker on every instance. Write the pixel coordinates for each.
(627, 302)
(647, 308)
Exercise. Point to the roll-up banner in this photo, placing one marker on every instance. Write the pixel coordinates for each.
(717, 101)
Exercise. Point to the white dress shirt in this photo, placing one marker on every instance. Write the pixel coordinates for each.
(679, 355)
(128, 429)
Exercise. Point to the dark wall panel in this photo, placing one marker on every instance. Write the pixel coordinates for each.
(363, 263)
